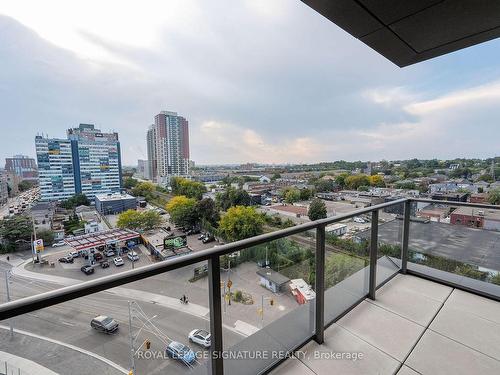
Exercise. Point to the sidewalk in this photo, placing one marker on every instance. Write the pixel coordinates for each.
(12, 364)
(43, 356)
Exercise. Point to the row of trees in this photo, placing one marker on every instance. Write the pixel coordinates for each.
(188, 188)
(139, 220)
(16, 234)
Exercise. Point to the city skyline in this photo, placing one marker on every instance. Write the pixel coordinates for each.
(271, 103)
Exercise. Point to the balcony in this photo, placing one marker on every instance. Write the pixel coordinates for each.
(402, 295)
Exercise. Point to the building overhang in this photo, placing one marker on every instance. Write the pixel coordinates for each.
(409, 31)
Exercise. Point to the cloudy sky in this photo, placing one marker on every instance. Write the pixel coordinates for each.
(258, 80)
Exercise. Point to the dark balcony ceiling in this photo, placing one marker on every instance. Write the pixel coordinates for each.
(410, 31)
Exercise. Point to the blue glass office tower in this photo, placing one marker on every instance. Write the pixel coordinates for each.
(88, 162)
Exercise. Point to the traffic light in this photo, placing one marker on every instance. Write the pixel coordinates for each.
(148, 344)
(271, 302)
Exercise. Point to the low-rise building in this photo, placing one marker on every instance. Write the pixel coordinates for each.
(114, 203)
(479, 198)
(272, 280)
(336, 229)
(476, 217)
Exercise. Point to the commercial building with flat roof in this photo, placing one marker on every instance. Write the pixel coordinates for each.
(114, 203)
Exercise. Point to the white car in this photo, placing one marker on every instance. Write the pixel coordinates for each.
(358, 220)
(200, 337)
(58, 244)
(74, 254)
(133, 256)
(118, 261)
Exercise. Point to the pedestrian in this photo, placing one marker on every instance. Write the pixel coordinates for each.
(8, 258)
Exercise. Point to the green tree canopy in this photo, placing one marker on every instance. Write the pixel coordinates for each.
(75, 201)
(137, 220)
(183, 210)
(144, 189)
(291, 195)
(355, 181)
(17, 228)
(240, 222)
(129, 182)
(191, 189)
(232, 197)
(317, 210)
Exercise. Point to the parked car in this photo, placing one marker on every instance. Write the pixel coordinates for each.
(208, 239)
(124, 249)
(103, 323)
(74, 254)
(202, 236)
(181, 352)
(358, 220)
(110, 253)
(104, 264)
(133, 256)
(200, 337)
(118, 261)
(66, 259)
(58, 244)
(87, 270)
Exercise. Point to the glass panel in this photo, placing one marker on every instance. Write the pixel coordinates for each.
(462, 241)
(267, 290)
(346, 264)
(68, 339)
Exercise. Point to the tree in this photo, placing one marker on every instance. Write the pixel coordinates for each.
(354, 182)
(324, 185)
(130, 219)
(15, 231)
(208, 212)
(341, 180)
(232, 197)
(150, 220)
(25, 185)
(240, 222)
(75, 201)
(305, 194)
(377, 181)
(494, 196)
(486, 178)
(129, 182)
(183, 211)
(317, 210)
(144, 189)
(183, 186)
(275, 176)
(291, 195)
(137, 220)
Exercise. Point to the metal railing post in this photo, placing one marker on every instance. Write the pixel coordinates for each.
(373, 255)
(217, 363)
(320, 285)
(406, 236)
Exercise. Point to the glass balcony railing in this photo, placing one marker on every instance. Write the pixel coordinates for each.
(252, 302)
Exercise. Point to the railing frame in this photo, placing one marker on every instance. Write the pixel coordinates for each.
(212, 256)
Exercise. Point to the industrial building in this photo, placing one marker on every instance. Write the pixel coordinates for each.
(112, 204)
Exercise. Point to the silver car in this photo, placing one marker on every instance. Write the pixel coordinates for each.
(200, 337)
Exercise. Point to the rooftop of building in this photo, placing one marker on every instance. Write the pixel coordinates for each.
(106, 197)
(489, 214)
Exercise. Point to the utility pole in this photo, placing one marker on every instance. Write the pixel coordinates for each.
(229, 282)
(8, 300)
(132, 350)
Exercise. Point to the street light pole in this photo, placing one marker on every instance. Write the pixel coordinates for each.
(8, 300)
(132, 350)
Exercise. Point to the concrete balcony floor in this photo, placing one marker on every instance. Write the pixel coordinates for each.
(415, 326)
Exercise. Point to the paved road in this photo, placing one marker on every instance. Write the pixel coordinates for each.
(69, 323)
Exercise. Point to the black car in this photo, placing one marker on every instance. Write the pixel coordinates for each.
(124, 249)
(87, 270)
(104, 324)
(105, 264)
(66, 259)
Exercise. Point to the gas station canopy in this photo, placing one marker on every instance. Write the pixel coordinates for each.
(93, 240)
